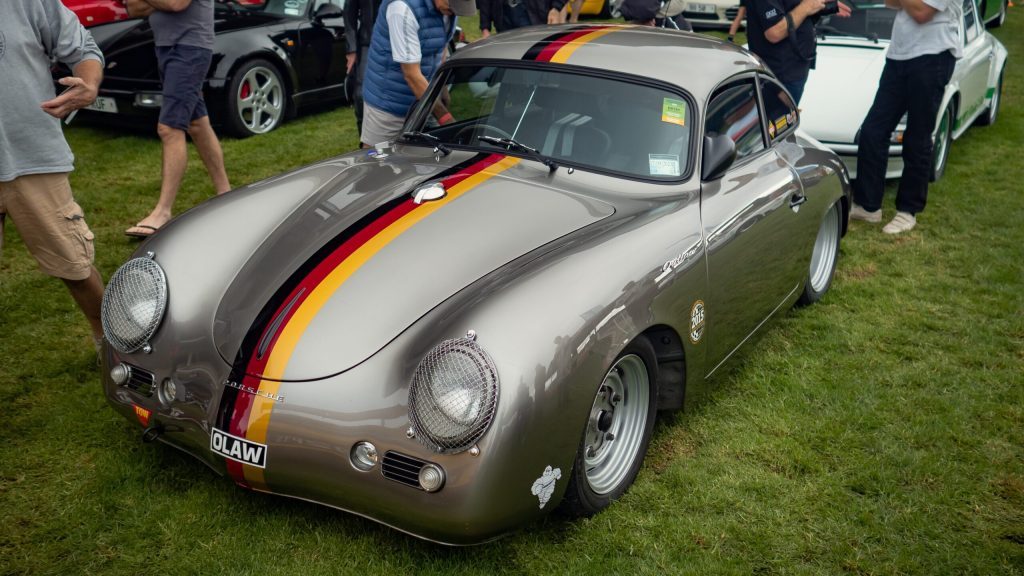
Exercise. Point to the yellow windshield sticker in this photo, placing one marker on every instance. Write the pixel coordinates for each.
(673, 111)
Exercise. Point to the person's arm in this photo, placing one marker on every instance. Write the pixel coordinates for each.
(169, 5)
(735, 26)
(82, 89)
(919, 10)
(351, 34)
(138, 8)
(555, 12)
(781, 29)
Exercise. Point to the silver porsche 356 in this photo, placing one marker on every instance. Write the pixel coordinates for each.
(456, 332)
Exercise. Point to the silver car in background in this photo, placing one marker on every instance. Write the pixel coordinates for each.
(457, 332)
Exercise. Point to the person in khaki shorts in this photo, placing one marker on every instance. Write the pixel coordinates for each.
(34, 156)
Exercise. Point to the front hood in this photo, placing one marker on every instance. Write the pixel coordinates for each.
(841, 88)
(360, 261)
(128, 49)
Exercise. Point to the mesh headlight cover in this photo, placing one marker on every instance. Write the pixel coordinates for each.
(453, 396)
(134, 304)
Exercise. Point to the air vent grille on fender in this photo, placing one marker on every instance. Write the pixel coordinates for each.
(402, 468)
(140, 381)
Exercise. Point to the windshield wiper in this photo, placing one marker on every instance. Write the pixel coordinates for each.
(429, 139)
(510, 144)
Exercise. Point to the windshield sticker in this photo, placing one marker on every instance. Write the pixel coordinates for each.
(781, 123)
(771, 130)
(673, 111)
(664, 164)
(294, 7)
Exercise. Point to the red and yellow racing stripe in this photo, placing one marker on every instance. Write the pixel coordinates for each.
(251, 413)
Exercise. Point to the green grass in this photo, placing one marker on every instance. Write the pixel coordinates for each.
(878, 432)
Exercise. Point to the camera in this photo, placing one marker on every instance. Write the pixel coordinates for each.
(831, 7)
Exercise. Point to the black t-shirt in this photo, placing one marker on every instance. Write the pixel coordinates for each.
(789, 60)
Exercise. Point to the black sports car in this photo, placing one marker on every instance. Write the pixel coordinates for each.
(268, 60)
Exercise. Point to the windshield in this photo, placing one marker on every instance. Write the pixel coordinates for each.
(870, 21)
(280, 7)
(566, 118)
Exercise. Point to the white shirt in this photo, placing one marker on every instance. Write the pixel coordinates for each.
(405, 33)
(943, 32)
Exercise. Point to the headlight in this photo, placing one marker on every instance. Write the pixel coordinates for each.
(453, 396)
(134, 304)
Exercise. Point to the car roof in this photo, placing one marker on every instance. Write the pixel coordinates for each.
(694, 62)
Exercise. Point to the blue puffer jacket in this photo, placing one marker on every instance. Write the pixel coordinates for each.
(384, 87)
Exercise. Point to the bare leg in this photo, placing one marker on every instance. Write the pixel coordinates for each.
(88, 294)
(175, 160)
(210, 151)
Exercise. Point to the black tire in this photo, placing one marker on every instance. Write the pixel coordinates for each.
(824, 256)
(624, 406)
(989, 117)
(257, 99)
(943, 140)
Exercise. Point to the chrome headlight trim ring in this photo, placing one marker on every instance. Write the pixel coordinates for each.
(453, 396)
(134, 303)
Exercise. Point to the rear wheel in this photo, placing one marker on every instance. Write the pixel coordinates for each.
(256, 99)
(989, 117)
(940, 152)
(618, 431)
(824, 256)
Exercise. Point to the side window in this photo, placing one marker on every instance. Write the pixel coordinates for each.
(733, 111)
(970, 22)
(779, 109)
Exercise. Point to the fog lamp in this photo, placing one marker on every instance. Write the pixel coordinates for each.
(168, 391)
(431, 478)
(120, 373)
(149, 100)
(364, 456)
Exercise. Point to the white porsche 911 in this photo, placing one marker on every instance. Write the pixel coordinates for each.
(851, 55)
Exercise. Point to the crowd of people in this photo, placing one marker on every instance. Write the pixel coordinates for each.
(394, 46)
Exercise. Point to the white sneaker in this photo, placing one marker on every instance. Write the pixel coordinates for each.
(859, 213)
(903, 222)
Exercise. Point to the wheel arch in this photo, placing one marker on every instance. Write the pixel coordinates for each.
(670, 356)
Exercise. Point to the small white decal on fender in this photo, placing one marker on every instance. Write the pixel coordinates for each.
(544, 486)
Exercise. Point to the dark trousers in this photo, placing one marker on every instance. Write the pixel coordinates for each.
(913, 87)
(357, 93)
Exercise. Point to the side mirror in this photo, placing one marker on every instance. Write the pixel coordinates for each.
(327, 12)
(719, 154)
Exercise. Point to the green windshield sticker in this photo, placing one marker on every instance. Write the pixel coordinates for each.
(673, 111)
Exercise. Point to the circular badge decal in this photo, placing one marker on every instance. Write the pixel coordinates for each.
(697, 321)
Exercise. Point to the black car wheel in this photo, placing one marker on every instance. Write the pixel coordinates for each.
(989, 117)
(823, 256)
(618, 431)
(940, 151)
(257, 99)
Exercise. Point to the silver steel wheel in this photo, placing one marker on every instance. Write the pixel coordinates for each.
(260, 100)
(826, 249)
(615, 428)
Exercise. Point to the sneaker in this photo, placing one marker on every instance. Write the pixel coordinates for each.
(859, 213)
(903, 222)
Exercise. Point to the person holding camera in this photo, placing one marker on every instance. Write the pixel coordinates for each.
(925, 45)
(781, 32)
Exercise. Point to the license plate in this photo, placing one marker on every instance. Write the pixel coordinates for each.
(103, 104)
(702, 8)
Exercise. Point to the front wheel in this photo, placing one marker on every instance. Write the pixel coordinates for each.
(256, 99)
(824, 256)
(618, 430)
(940, 152)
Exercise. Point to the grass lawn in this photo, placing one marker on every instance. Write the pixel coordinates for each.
(878, 432)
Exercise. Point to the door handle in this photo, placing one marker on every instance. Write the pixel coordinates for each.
(796, 200)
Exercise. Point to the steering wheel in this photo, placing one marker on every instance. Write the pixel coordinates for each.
(467, 133)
